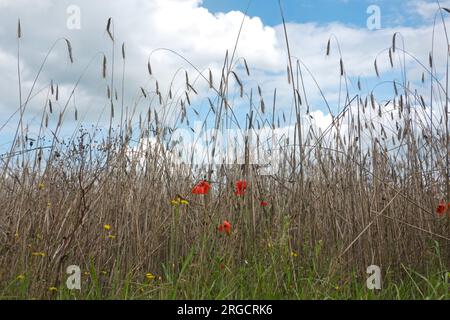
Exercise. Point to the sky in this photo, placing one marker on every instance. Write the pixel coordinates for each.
(350, 12)
(173, 32)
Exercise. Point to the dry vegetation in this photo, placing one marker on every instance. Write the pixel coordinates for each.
(336, 205)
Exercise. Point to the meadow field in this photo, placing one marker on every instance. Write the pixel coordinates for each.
(296, 211)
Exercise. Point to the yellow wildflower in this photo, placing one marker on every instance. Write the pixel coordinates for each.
(20, 277)
(184, 202)
(294, 254)
(52, 289)
(38, 254)
(107, 227)
(112, 237)
(150, 276)
(174, 202)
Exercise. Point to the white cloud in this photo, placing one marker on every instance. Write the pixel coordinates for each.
(200, 36)
(427, 9)
(22, 3)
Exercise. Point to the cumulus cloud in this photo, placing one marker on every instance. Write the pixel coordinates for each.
(198, 35)
(427, 9)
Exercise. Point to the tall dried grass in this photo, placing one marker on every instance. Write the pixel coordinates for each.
(335, 207)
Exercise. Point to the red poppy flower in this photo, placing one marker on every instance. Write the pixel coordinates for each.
(241, 186)
(264, 203)
(201, 188)
(225, 227)
(441, 208)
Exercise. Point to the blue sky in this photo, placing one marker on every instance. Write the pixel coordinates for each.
(203, 37)
(351, 12)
